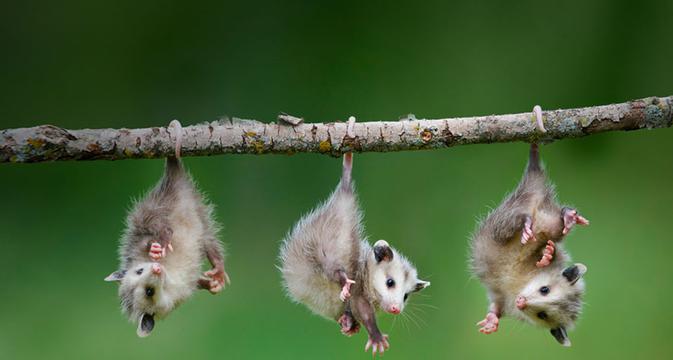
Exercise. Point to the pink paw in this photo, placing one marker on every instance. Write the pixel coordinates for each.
(349, 326)
(157, 251)
(489, 324)
(527, 232)
(346, 290)
(217, 279)
(570, 218)
(378, 344)
(547, 255)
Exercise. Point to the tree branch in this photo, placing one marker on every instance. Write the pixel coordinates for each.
(238, 136)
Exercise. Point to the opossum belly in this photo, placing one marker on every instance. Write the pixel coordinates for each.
(338, 243)
(188, 231)
(312, 288)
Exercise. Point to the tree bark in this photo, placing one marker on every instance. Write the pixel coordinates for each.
(239, 136)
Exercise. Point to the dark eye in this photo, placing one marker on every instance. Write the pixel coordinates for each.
(544, 290)
(139, 271)
(542, 315)
(406, 296)
(149, 291)
(390, 283)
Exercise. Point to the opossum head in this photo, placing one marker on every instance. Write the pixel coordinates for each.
(392, 277)
(553, 299)
(142, 290)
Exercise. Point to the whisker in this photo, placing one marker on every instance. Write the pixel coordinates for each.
(405, 321)
(420, 309)
(422, 295)
(420, 318)
(429, 306)
(413, 320)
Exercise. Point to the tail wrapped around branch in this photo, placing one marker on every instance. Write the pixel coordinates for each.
(173, 163)
(346, 176)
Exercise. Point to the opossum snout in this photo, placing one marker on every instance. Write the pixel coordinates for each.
(394, 309)
(521, 302)
(156, 269)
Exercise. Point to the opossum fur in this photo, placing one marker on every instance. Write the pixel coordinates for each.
(508, 268)
(175, 215)
(327, 246)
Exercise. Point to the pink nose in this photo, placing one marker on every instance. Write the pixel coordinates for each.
(394, 309)
(156, 269)
(521, 302)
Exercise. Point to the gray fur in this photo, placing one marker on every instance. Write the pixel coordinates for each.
(173, 212)
(330, 240)
(507, 268)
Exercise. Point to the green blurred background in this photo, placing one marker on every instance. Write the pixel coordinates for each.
(133, 64)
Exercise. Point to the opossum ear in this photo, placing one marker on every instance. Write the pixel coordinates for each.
(574, 272)
(560, 335)
(420, 285)
(145, 325)
(116, 276)
(382, 251)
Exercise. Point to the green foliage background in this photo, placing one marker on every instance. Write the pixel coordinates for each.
(133, 64)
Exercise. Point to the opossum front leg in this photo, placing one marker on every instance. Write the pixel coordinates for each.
(158, 245)
(345, 283)
(349, 326)
(527, 231)
(216, 277)
(365, 311)
(570, 218)
(509, 221)
(547, 254)
(490, 323)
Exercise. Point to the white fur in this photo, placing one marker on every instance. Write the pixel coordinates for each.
(319, 243)
(193, 229)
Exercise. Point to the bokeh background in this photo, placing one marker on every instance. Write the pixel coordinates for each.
(133, 64)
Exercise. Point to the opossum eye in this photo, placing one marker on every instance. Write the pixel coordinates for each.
(542, 315)
(390, 283)
(149, 291)
(139, 271)
(406, 296)
(544, 290)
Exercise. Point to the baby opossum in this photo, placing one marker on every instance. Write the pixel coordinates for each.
(328, 265)
(168, 234)
(516, 253)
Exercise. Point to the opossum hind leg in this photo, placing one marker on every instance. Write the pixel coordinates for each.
(572, 217)
(349, 326)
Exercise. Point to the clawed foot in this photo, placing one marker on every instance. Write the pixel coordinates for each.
(215, 280)
(378, 344)
(346, 290)
(570, 218)
(547, 255)
(489, 324)
(157, 251)
(527, 232)
(349, 326)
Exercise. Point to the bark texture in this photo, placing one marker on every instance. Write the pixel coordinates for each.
(240, 136)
